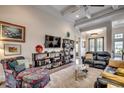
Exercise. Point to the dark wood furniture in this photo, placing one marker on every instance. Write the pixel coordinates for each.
(68, 50)
(55, 59)
(50, 60)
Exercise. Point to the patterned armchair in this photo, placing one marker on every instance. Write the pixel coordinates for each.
(29, 78)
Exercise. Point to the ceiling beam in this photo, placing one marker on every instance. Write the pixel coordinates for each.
(104, 13)
(69, 10)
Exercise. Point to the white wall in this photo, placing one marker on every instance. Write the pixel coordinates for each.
(37, 23)
(86, 36)
(108, 26)
(118, 30)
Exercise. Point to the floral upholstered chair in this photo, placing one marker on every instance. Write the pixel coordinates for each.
(17, 76)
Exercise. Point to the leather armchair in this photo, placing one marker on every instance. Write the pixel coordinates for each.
(102, 59)
(98, 60)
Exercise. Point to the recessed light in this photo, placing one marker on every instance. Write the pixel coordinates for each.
(77, 16)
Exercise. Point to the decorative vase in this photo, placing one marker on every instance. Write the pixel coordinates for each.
(39, 48)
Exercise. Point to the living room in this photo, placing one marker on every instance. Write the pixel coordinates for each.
(56, 43)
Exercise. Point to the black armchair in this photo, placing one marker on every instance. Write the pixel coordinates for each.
(102, 59)
(98, 59)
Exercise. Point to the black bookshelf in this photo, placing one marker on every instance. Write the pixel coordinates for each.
(68, 49)
(55, 59)
(50, 60)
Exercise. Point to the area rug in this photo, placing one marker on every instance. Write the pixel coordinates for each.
(65, 78)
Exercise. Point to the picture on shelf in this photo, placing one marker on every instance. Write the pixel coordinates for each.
(12, 32)
(12, 49)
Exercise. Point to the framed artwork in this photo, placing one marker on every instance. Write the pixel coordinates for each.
(11, 32)
(12, 49)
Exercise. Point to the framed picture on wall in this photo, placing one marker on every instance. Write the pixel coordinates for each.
(12, 49)
(11, 32)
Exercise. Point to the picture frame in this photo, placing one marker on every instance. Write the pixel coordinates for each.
(12, 49)
(11, 32)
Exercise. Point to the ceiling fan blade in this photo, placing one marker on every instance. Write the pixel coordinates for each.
(97, 5)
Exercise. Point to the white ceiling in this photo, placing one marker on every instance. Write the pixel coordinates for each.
(59, 7)
(116, 17)
(72, 16)
(118, 23)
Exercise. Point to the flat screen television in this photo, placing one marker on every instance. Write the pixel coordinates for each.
(52, 41)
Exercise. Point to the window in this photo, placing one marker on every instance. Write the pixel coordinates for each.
(99, 43)
(118, 36)
(96, 44)
(92, 44)
(118, 47)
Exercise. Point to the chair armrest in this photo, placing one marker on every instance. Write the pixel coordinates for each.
(9, 71)
(116, 78)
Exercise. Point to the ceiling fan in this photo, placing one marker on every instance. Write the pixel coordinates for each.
(82, 8)
(85, 9)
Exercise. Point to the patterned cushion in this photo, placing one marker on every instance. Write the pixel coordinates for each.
(12, 65)
(23, 61)
(36, 77)
(26, 72)
(37, 85)
(19, 68)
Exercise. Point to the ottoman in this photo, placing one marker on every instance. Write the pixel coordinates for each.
(36, 80)
(33, 78)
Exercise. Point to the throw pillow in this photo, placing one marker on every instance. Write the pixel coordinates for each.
(12, 65)
(120, 72)
(25, 62)
(19, 68)
(89, 56)
(111, 70)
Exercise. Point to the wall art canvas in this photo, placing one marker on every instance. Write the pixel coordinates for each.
(12, 49)
(11, 32)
